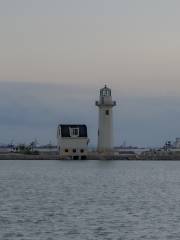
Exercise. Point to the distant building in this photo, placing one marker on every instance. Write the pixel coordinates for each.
(173, 146)
(72, 141)
(105, 130)
(177, 143)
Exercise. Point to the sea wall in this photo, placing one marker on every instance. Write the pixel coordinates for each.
(95, 156)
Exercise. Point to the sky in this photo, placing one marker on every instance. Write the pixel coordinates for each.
(55, 55)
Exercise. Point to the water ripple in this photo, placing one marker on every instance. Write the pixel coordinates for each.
(90, 200)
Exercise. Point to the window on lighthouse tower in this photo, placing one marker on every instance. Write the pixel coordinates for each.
(107, 112)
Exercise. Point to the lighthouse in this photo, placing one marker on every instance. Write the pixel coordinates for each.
(105, 130)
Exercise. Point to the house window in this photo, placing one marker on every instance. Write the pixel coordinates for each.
(74, 150)
(74, 132)
(82, 150)
(107, 112)
(66, 150)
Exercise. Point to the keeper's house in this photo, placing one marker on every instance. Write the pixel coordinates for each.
(72, 141)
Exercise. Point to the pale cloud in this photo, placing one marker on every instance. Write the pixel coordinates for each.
(136, 54)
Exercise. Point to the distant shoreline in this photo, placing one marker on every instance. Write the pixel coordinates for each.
(50, 156)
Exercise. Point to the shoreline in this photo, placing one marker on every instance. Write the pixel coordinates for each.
(50, 156)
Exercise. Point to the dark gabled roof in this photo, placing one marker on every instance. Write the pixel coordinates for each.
(66, 133)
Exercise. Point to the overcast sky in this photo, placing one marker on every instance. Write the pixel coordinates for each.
(56, 54)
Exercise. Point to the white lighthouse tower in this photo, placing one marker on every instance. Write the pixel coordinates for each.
(105, 131)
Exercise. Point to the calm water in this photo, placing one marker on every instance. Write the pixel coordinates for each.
(47, 200)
